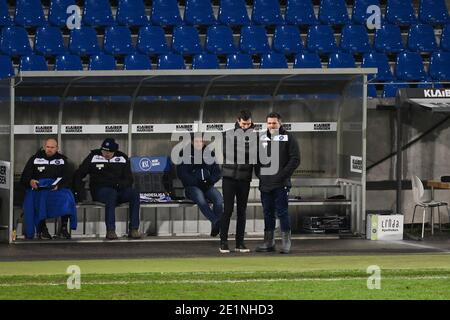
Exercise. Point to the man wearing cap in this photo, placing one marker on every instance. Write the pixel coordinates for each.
(111, 183)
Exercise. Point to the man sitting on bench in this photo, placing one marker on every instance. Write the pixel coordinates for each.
(198, 180)
(111, 183)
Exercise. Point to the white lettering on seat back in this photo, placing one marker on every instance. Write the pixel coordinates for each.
(40, 161)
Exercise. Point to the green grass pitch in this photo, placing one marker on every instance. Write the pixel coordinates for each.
(418, 276)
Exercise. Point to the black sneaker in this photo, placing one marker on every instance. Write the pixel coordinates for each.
(241, 248)
(224, 247)
(215, 230)
(63, 233)
(44, 234)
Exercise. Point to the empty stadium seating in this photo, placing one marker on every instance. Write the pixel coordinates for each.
(219, 40)
(205, 61)
(34, 35)
(199, 12)
(33, 62)
(131, 13)
(300, 12)
(6, 67)
(273, 60)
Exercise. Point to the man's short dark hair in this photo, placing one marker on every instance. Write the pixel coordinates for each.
(273, 115)
(244, 115)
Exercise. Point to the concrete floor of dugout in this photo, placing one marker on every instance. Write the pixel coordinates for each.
(189, 247)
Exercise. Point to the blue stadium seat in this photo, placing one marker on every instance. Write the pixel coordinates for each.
(131, 13)
(380, 61)
(390, 89)
(83, 41)
(117, 40)
(254, 40)
(354, 39)
(287, 40)
(6, 67)
(307, 60)
(388, 39)
(433, 12)
(439, 68)
(49, 41)
(199, 13)
(273, 60)
(409, 67)
(359, 11)
(5, 19)
(14, 41)
(185, 40)
(239, 61)
(68, 62)
(152, 40)
(171, 61)
(233, 13)
(219, 40)
(29, 13)
(371, 90)
(266, 12)
(97, 13)
(445, 38)
(400, 12)
(300, 12)
(137, 61)
(205, 61)
(102, 61)
(421, 38)
(341, 60)
(320, 39)
(333, 12)
(33, 62)
(57, 15)
(165, 13)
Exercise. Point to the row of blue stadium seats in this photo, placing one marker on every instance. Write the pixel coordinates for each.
(220, 40)
(409, 65)
(30, 13)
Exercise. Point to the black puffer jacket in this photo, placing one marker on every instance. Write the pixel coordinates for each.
(40, 166)
(289, 160)
(113, 173)
(236, 137)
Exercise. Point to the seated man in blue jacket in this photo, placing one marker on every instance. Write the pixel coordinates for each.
(46, 177)
(198, 180)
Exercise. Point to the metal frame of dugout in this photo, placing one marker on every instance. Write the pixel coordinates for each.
(345, 88)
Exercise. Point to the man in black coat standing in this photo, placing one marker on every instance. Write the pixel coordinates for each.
(111, 182)
(237, 171)
(281, 149)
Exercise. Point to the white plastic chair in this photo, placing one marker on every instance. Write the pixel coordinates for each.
(418, 191)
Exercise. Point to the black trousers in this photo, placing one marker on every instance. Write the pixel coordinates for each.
(42, 225)
(232, 189)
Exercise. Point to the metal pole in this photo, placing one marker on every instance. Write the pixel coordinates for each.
(11, 159)
(364, 155)
(399, 160)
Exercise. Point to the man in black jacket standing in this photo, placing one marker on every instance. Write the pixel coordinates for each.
(51, 168)
(282, 148)
(111, 183)
(237, 171)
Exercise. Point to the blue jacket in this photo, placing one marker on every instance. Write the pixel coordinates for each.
(201, 175)
(42, 204)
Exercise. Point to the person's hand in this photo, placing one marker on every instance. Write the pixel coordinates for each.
(34, 184)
